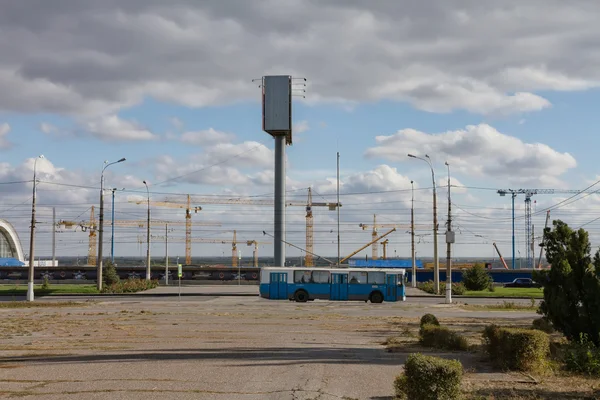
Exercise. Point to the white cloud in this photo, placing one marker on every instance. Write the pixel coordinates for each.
(456, 186)
(248, 154)
(209, 136)
(113, 128)
(541, 78)
(436, 56)
(479, 151)
(48, 128)
(300, 126)
(176, 122)
(4, 130)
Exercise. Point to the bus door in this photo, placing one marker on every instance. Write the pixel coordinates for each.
(339, 287)
(278, 285)
(391, 291)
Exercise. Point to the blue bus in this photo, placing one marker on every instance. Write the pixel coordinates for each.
(303, 284)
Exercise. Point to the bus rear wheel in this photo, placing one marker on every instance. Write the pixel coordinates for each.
(376, 297)
(301, 296)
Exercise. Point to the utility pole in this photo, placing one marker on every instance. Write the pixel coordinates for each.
(112, 233)
(338, 209)
(53, 236)
(449, 241)
(30, 294)
(166, 254)
(148, 272)
(412, 236)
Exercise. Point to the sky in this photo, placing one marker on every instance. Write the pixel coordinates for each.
(503, 93)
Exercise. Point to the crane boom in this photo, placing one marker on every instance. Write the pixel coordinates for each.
(367, 245)
(375, 225)
(500, 255)
(238, 201)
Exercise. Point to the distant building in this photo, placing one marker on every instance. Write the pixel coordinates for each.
(10, 245)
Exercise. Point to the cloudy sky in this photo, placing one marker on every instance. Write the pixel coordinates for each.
(504, 93)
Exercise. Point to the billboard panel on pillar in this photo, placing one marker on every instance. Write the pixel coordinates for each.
(277, 105)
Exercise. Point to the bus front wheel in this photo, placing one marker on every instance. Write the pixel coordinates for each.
(376, 297)
(301, 296)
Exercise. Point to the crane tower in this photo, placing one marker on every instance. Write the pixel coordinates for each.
(529, 237)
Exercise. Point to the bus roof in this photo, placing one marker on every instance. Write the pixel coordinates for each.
(399, 271)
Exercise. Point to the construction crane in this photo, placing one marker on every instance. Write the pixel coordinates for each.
(500, 255)
(234, 256)
(188, 221)
(255, 251)
(375, 225)
(367, 245)
(234, 251)
(91, 227)
(253, 202)
(528, 226)
(384, 245)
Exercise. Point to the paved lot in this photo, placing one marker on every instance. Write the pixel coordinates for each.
(210, 348)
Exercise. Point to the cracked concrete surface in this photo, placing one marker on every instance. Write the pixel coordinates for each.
(221, 348)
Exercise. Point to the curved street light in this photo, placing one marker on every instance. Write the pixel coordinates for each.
(436, 267)
(101, 222)
(30, 295)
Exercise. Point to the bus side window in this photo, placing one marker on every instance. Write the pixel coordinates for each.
(358, 277)
(320, 277)
(376, 278)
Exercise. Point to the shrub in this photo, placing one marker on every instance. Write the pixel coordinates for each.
(476, 278)
(542, 324)
(427, 287)
(491, 286)
(45, 283)
(429, 378)
(457, 288)
(572, 286)
(583, 357)
(441, 337)
(109, 273)
(429, 319)
(516, 349)
(130, 286)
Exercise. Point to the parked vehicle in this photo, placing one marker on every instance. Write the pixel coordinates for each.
(522, 283)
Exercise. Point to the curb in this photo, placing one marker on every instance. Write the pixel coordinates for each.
(439, 296)
(139, 294)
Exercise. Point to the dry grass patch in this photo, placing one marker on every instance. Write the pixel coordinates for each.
(37, 304)
(555, 386)
(504, 306)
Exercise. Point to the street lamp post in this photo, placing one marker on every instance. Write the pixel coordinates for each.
(148, 235)
(101, 222)
(30, 295)
(412, 235)
(449, 241)
(436, 267)
(112, 235)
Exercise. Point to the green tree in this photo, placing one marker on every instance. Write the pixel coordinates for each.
(476, 278)
(572, 285)
(109, 273)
